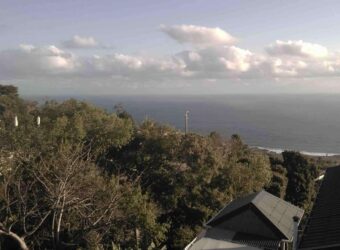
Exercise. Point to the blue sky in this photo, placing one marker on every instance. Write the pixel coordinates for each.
(170, 47)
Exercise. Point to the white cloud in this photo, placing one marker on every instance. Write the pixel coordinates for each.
(79, 42)
(297, 48)
(31, 61)
(237, 60)
(134, 67)
(198, 35)
(288, 67)
(212, 63)
(221, 62)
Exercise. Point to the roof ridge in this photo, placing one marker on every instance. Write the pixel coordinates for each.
(238, 203)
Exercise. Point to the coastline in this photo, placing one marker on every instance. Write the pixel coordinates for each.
(279, 151)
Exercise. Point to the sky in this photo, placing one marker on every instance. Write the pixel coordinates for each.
(131, 47)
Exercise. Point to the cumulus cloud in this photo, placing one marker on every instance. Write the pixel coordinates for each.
(33, 61)
(237, 59)
(220, 62)
(80, 42)
(212, 62)
(302, 59)
(198, 35)
(134, 67)
(297, 48)
(215, 61)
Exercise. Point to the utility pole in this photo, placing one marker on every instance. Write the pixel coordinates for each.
(186, 116)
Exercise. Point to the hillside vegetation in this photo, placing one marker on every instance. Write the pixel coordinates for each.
(88, 179)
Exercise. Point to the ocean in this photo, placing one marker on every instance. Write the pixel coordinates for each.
(309, 123)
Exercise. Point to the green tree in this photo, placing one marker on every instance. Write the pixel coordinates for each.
(301, 175)
(98, 179)
(189, 177)
(278, 183)
(8, 90)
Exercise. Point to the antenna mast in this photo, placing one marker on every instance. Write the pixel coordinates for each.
(16, 122)
(186, 116)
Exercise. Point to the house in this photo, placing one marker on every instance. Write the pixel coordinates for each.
(257, 221)
(322, 230)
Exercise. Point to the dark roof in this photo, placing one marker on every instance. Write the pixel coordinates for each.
(232, 206)
(323, 227)
(256, 241)
(279, 212)
(216, 238)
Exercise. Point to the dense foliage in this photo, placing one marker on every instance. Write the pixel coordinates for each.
(88, 179)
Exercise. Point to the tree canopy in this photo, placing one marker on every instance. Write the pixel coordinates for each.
(88, 179)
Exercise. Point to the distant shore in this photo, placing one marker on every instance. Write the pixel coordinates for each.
(279, 151)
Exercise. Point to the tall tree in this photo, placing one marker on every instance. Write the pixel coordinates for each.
(301, 175)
